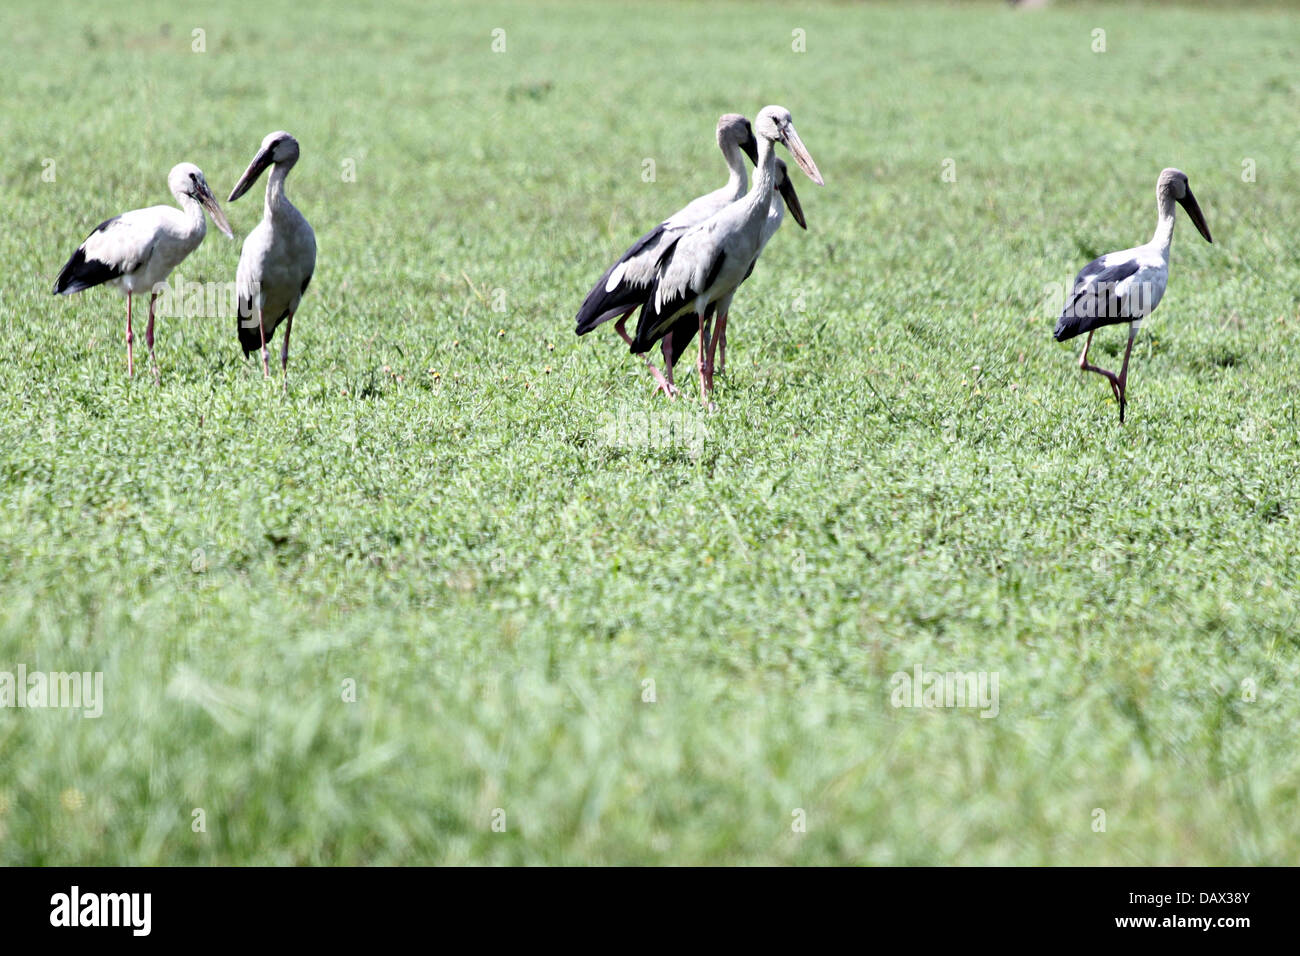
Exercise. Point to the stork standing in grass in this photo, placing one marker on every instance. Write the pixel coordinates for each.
(138, 250)
(783, 196)
(278, 258)
(1127, 286)
(702, 269)
(623, 288)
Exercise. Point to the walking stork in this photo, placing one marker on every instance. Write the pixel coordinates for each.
(1127, 286)
(278, 257)
(137, 251)
(623, 287)
(783, 196)
(702, 269)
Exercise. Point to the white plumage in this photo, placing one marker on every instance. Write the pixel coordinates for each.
(704, 267)
(782, 195)
(623, 287)
(278, 256)
(1127, 286)
(136, 251)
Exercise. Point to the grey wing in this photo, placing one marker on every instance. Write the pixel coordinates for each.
(684, 274)
(1092, 302)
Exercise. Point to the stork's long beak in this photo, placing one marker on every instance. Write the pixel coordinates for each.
(1194, 213)
(800, 153)
(750, 146)
(209, 202)
(255, 169)
(792, 201)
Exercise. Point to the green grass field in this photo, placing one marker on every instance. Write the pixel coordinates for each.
(500, 535)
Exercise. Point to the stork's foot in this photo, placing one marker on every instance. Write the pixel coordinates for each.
(662, 384)
(1117, 386)
(706, 381)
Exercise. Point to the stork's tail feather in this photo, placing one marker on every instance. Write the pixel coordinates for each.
(250, 336)
(601, 306)
(604, 302)
(81, 273)
(1069, 325)
(645, 323)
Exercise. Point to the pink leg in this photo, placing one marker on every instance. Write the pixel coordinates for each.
(666, 347)
(284, 350)
(261, 327)
(1118, 383)
(702, 361)
(719, 338)
(1123, 373)
(130, 337)
(722, 345)
(148, 337)
(664, 385)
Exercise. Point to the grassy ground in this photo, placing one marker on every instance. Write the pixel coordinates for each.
(497, 532)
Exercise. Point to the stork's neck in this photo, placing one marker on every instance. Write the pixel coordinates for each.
(776, 208)
(759, 197)
(198, 223)
(1164, 225)
(276, 200)
(737, 177)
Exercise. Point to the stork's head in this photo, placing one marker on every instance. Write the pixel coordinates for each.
(785, 186)
(774, 124)
(734, 130)
(186, 182)
(277, 148)
(1173, 185)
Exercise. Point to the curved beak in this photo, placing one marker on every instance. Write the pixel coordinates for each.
(750, 146)
(1194, 213)
(209, 202)
(255, 169)
(792, 202)
(800, 153)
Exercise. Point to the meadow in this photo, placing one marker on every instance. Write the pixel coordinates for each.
(468, 592)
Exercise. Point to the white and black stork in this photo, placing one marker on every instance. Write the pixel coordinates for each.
(784, 196)
(701, 270)
(1127, 286)
(278, 257)
(624, 286)
(136, 251)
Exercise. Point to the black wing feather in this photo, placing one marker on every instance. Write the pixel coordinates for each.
(81, 273)
(601, 304)
(1094, 305)
(654, 323)
(250, 336)
(684, 329)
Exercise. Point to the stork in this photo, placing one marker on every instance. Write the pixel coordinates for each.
(623, 287)
(1127, 286)
(138, 250)
(278, 257)
(703, 268)
(783, 195)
